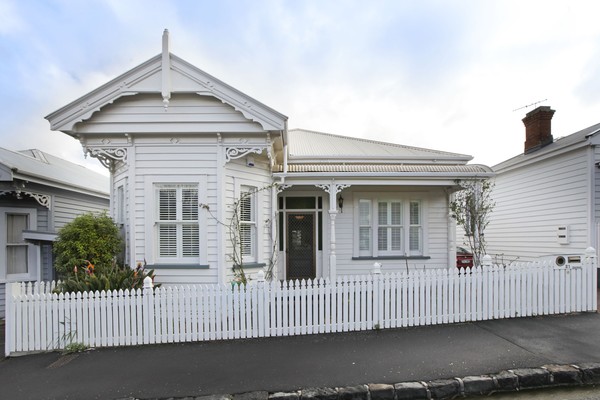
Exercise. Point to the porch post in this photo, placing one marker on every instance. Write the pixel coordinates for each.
(333, 211)
(332, 189)
(332, 255)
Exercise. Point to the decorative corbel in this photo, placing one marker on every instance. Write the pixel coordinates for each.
(42, 199)
(108, 156)
(232, 153)
(281, 188)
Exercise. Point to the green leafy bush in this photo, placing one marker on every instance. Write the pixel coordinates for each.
(89, 238)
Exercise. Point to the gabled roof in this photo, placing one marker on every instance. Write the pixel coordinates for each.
(317, 152)
(43, 168)
(580, 138)
(164, 74)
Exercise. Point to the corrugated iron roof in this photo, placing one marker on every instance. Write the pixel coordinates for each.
(36, 163)
(306, 145)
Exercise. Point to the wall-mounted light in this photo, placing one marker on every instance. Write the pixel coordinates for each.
(250, 161)
(341, 204)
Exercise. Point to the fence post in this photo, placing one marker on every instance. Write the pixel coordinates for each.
(590, 253)
(262, 304)
(148, 310)
(12, 289)
(377, 296)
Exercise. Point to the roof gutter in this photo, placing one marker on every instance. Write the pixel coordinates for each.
(63, 186)
(482, 175)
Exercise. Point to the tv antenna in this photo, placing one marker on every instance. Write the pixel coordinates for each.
(530, 105)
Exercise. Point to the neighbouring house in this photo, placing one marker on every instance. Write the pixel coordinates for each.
(182, 147)
(548, 197)
(39, 194)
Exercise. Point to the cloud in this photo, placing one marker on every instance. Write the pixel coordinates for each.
(437, 74)
(11, 22)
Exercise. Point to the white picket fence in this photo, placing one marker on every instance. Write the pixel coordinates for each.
(38, 320)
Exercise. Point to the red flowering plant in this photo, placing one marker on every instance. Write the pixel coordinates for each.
(85, 278)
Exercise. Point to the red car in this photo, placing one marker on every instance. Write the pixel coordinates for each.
(464, 258)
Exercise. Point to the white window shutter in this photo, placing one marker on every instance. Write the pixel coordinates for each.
(415, 233)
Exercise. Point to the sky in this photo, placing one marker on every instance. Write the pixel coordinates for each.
(446, 75)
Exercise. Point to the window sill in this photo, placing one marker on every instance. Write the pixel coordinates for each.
(392, 258)
(177, 266)
(253, 265)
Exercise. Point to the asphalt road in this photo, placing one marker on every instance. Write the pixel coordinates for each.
(290, 363)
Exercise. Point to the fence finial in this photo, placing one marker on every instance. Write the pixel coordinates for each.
(486, 261)
(148, 284)
(376, 268)
(260, 276)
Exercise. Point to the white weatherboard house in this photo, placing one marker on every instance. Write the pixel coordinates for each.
(548, 198)
(39, 194)
(176, 138)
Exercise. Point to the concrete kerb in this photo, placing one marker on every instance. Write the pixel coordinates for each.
(546, 376)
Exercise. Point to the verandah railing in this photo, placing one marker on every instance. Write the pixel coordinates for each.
(37, 319)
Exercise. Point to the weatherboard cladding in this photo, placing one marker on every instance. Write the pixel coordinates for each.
(187, 113)
(530, 203)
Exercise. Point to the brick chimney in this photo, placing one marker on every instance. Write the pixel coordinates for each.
(538, 131)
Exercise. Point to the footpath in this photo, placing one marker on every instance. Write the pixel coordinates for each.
(409, 363)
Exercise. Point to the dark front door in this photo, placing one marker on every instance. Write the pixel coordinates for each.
(300, 246)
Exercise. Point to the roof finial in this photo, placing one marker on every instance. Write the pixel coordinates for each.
(166, 69)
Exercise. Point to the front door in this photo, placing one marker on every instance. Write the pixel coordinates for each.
(300, 246)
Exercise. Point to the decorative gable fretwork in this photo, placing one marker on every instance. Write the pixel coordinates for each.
(42, 199)
(108, 155)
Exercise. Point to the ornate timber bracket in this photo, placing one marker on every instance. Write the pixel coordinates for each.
(233, 153)
(332, 188)
(42, 199)
(281, 188)
(244, 148)
(107, 156)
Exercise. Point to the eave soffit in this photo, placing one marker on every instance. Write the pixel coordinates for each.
(149, 78)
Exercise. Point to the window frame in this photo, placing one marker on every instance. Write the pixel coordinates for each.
(151, 250)
(249, 193)
(405, 225)
(32, 250)
(179, 222)
(120, 204)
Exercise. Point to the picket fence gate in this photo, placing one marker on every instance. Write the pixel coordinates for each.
(39, 320)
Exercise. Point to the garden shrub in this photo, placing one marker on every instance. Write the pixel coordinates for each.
(86, 257)
(89, 238)
(115, 277)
